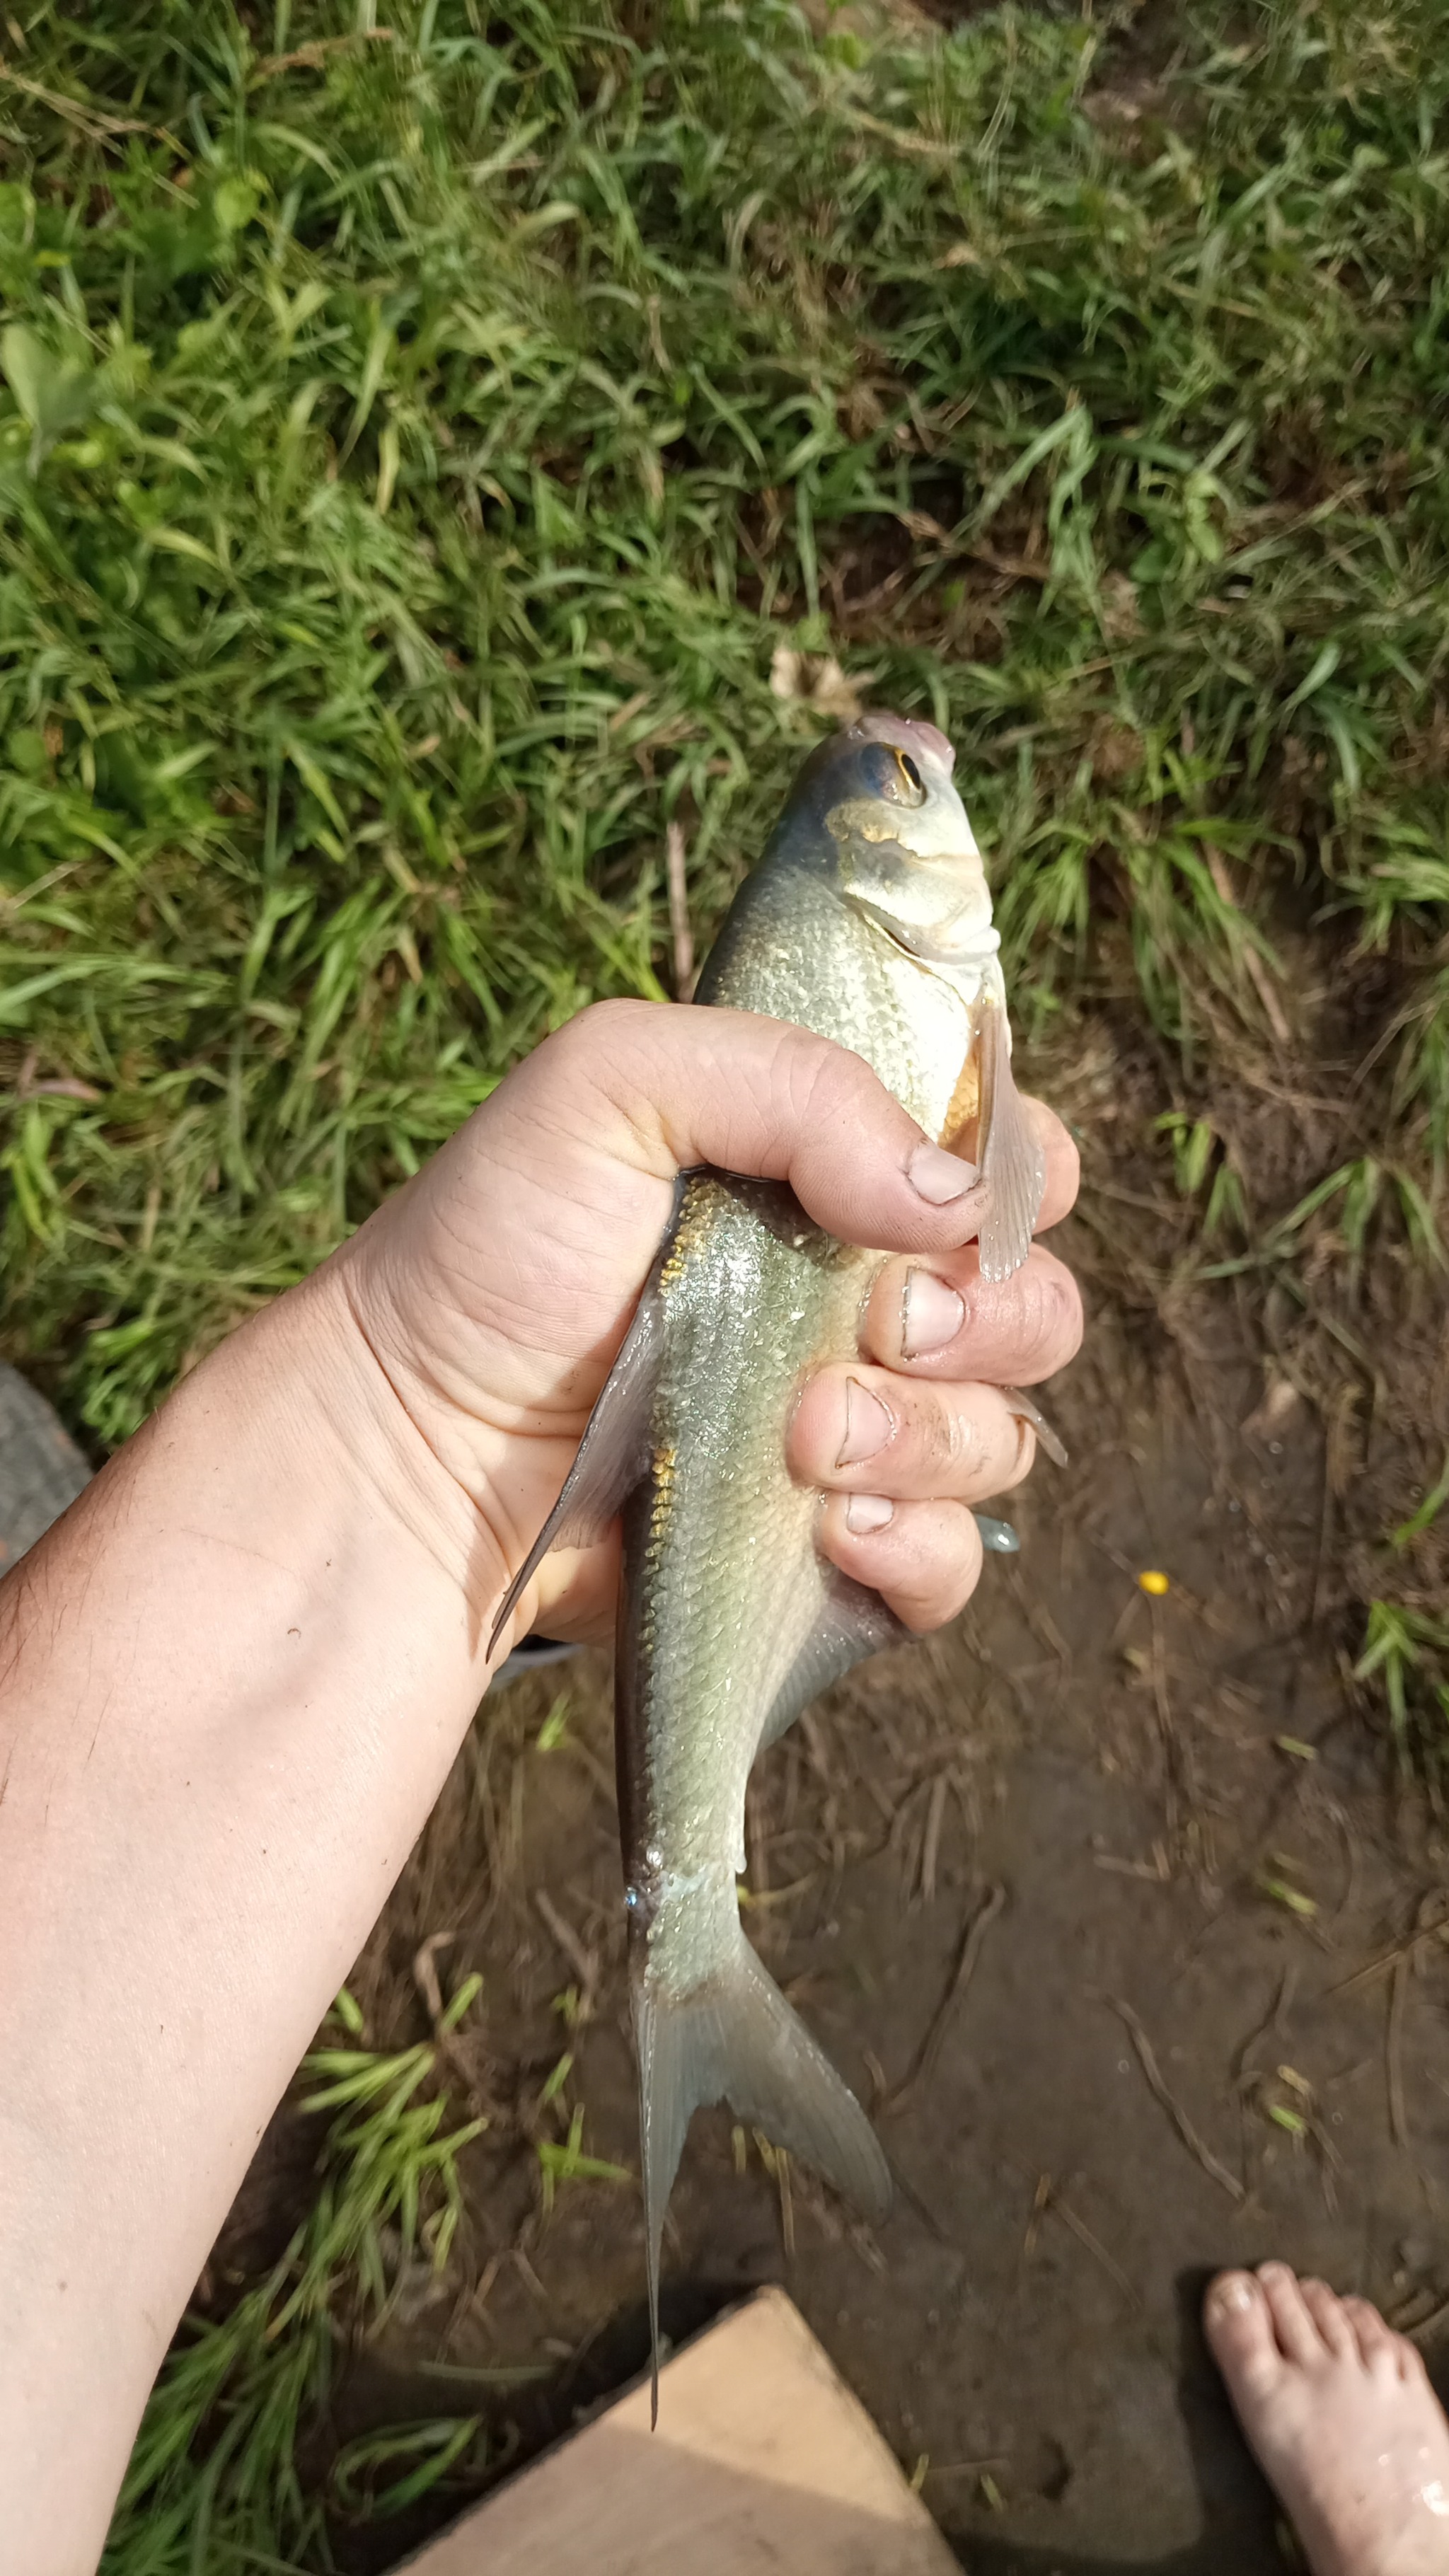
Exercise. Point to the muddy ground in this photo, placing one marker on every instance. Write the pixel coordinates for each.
(1116, 1910)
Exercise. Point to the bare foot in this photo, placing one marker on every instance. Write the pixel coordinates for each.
(1342, 2418)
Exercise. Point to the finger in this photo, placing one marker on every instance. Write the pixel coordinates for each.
(862, 1430)
(664, 1088)
(1063, 1163)
(923, 1558)
(943, 1320)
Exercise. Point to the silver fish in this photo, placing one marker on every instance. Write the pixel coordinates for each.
(869, 921)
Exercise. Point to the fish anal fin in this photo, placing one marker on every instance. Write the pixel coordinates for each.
(1009, 1158)
(612, 1455)
(737, 2040)
(853, 1623)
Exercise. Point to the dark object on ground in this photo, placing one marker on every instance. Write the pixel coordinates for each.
(41, 1469)
(530, 1657)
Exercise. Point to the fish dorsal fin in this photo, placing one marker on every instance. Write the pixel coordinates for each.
(854, 1623)
(612, 1455)
(1011, 1162)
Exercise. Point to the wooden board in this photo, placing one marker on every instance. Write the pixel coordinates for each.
(763, 2461)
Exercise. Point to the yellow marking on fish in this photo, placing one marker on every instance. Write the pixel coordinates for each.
(664, 1463)
(699, 1212)
(965, 1104)
(860, 817)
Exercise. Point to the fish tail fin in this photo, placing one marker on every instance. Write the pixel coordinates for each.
(738, 2040)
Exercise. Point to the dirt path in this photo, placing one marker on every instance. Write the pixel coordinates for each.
(1162, 2053)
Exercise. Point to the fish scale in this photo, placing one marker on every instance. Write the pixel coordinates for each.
(869, 922)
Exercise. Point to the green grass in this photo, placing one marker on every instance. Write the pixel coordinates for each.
(418, 439)
(1406, 1648)
(216, 2482)
(1407, 1651)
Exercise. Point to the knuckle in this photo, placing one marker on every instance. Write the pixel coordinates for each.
(965, 1442)
(827, 1081)
(792, 1080)
(1048, 1318)
(601, 1026)
(958, 1447)
(603, 1046)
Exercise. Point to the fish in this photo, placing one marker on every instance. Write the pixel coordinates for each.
(868, 920)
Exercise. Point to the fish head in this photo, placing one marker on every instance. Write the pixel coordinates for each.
(876, 807)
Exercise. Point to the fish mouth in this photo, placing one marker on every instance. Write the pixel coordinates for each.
(929, 944)
(918, 736)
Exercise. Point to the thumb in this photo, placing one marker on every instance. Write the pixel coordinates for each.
(661, 1087)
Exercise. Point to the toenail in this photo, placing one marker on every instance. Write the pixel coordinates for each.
(1233, 2296)
(865, 1513)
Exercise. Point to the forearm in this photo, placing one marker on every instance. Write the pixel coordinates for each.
(231, 1683)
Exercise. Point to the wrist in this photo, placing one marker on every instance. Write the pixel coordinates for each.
(385, 1447)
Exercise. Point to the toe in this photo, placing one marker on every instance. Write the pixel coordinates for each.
(1377, 2343)
(1240, 2334)
(1331, 2318)
(1293, 2324)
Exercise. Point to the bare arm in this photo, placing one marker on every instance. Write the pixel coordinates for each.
(231, 1682)
(233, 1678)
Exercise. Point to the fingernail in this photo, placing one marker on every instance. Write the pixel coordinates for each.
(937, 1176)
(867, 1512)
(868, 1424)
(1232, 2297)
(933, 1316)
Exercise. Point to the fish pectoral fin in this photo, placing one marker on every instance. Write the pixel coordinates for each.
(853, 1624)
(1011, 1162)
(612, 1455)
(737, 2040)
(1030, 1411)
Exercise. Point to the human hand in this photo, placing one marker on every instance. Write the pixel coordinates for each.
(495, 1289)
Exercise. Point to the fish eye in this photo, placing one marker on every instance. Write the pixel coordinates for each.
(893, 775)
(901, 780)
(883, 770)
